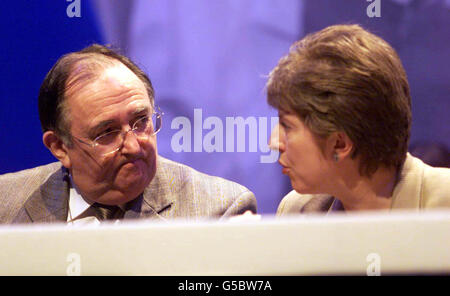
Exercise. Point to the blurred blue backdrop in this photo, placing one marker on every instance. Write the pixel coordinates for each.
(213, 55)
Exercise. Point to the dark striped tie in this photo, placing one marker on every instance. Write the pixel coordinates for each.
(106, 212)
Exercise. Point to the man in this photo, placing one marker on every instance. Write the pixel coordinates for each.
(99, 120)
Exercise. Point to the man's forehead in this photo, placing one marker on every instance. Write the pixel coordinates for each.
(120, 74)
(114, 76)
(107, 89)
(91, 70)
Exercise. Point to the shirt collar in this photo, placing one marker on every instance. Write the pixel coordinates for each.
(77, 204)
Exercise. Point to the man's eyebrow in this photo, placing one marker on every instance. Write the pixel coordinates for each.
(93, 131)
(140, 110)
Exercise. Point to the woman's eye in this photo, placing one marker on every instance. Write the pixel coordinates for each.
(284, 125)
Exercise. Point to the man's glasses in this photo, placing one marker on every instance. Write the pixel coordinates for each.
(112, 141)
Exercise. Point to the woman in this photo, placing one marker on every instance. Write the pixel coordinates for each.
(345, 115)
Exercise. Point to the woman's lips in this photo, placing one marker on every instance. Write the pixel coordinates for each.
(285, 169)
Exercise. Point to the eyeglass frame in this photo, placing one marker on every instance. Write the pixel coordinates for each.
(123, 134)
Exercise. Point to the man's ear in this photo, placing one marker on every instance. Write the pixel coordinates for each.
(57, 148)
(339, 146)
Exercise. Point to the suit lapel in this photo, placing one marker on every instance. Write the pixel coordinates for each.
(50, 202)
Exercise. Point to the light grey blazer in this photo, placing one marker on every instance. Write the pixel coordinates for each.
(41, 195)
(420, 187)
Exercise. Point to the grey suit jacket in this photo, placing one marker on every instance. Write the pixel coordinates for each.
(41, 194)
(420, 187)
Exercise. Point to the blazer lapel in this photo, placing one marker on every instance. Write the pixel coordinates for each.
(50, 202)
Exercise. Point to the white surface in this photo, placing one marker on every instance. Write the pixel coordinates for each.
(407, 243)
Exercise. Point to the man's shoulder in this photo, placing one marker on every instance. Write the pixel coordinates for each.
(35, 174)
(17, 187)
(182, 173)
(197, 194)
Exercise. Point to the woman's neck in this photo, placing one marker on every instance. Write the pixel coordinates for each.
(358, 193)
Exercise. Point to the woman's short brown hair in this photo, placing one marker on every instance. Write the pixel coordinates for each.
(344, 78)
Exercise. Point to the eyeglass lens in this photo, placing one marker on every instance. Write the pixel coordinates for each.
(143, 127)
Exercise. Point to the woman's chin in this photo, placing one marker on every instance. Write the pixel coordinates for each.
(303, 188)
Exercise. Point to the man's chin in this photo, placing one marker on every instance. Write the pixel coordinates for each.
(132, 172)
(133, 177)
(133, 183)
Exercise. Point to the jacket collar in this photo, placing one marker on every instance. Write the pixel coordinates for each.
(407, 192)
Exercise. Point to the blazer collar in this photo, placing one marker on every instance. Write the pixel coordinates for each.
(407, 192)
(50, 202)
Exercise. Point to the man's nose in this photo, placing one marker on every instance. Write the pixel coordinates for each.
(276, 139)
(130, 143)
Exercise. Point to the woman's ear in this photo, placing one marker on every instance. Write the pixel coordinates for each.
(57, 148)
(339, 146)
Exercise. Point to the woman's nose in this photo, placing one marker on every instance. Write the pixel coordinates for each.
(276, 137)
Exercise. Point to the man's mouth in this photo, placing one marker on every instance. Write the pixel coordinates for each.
(130, 164)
